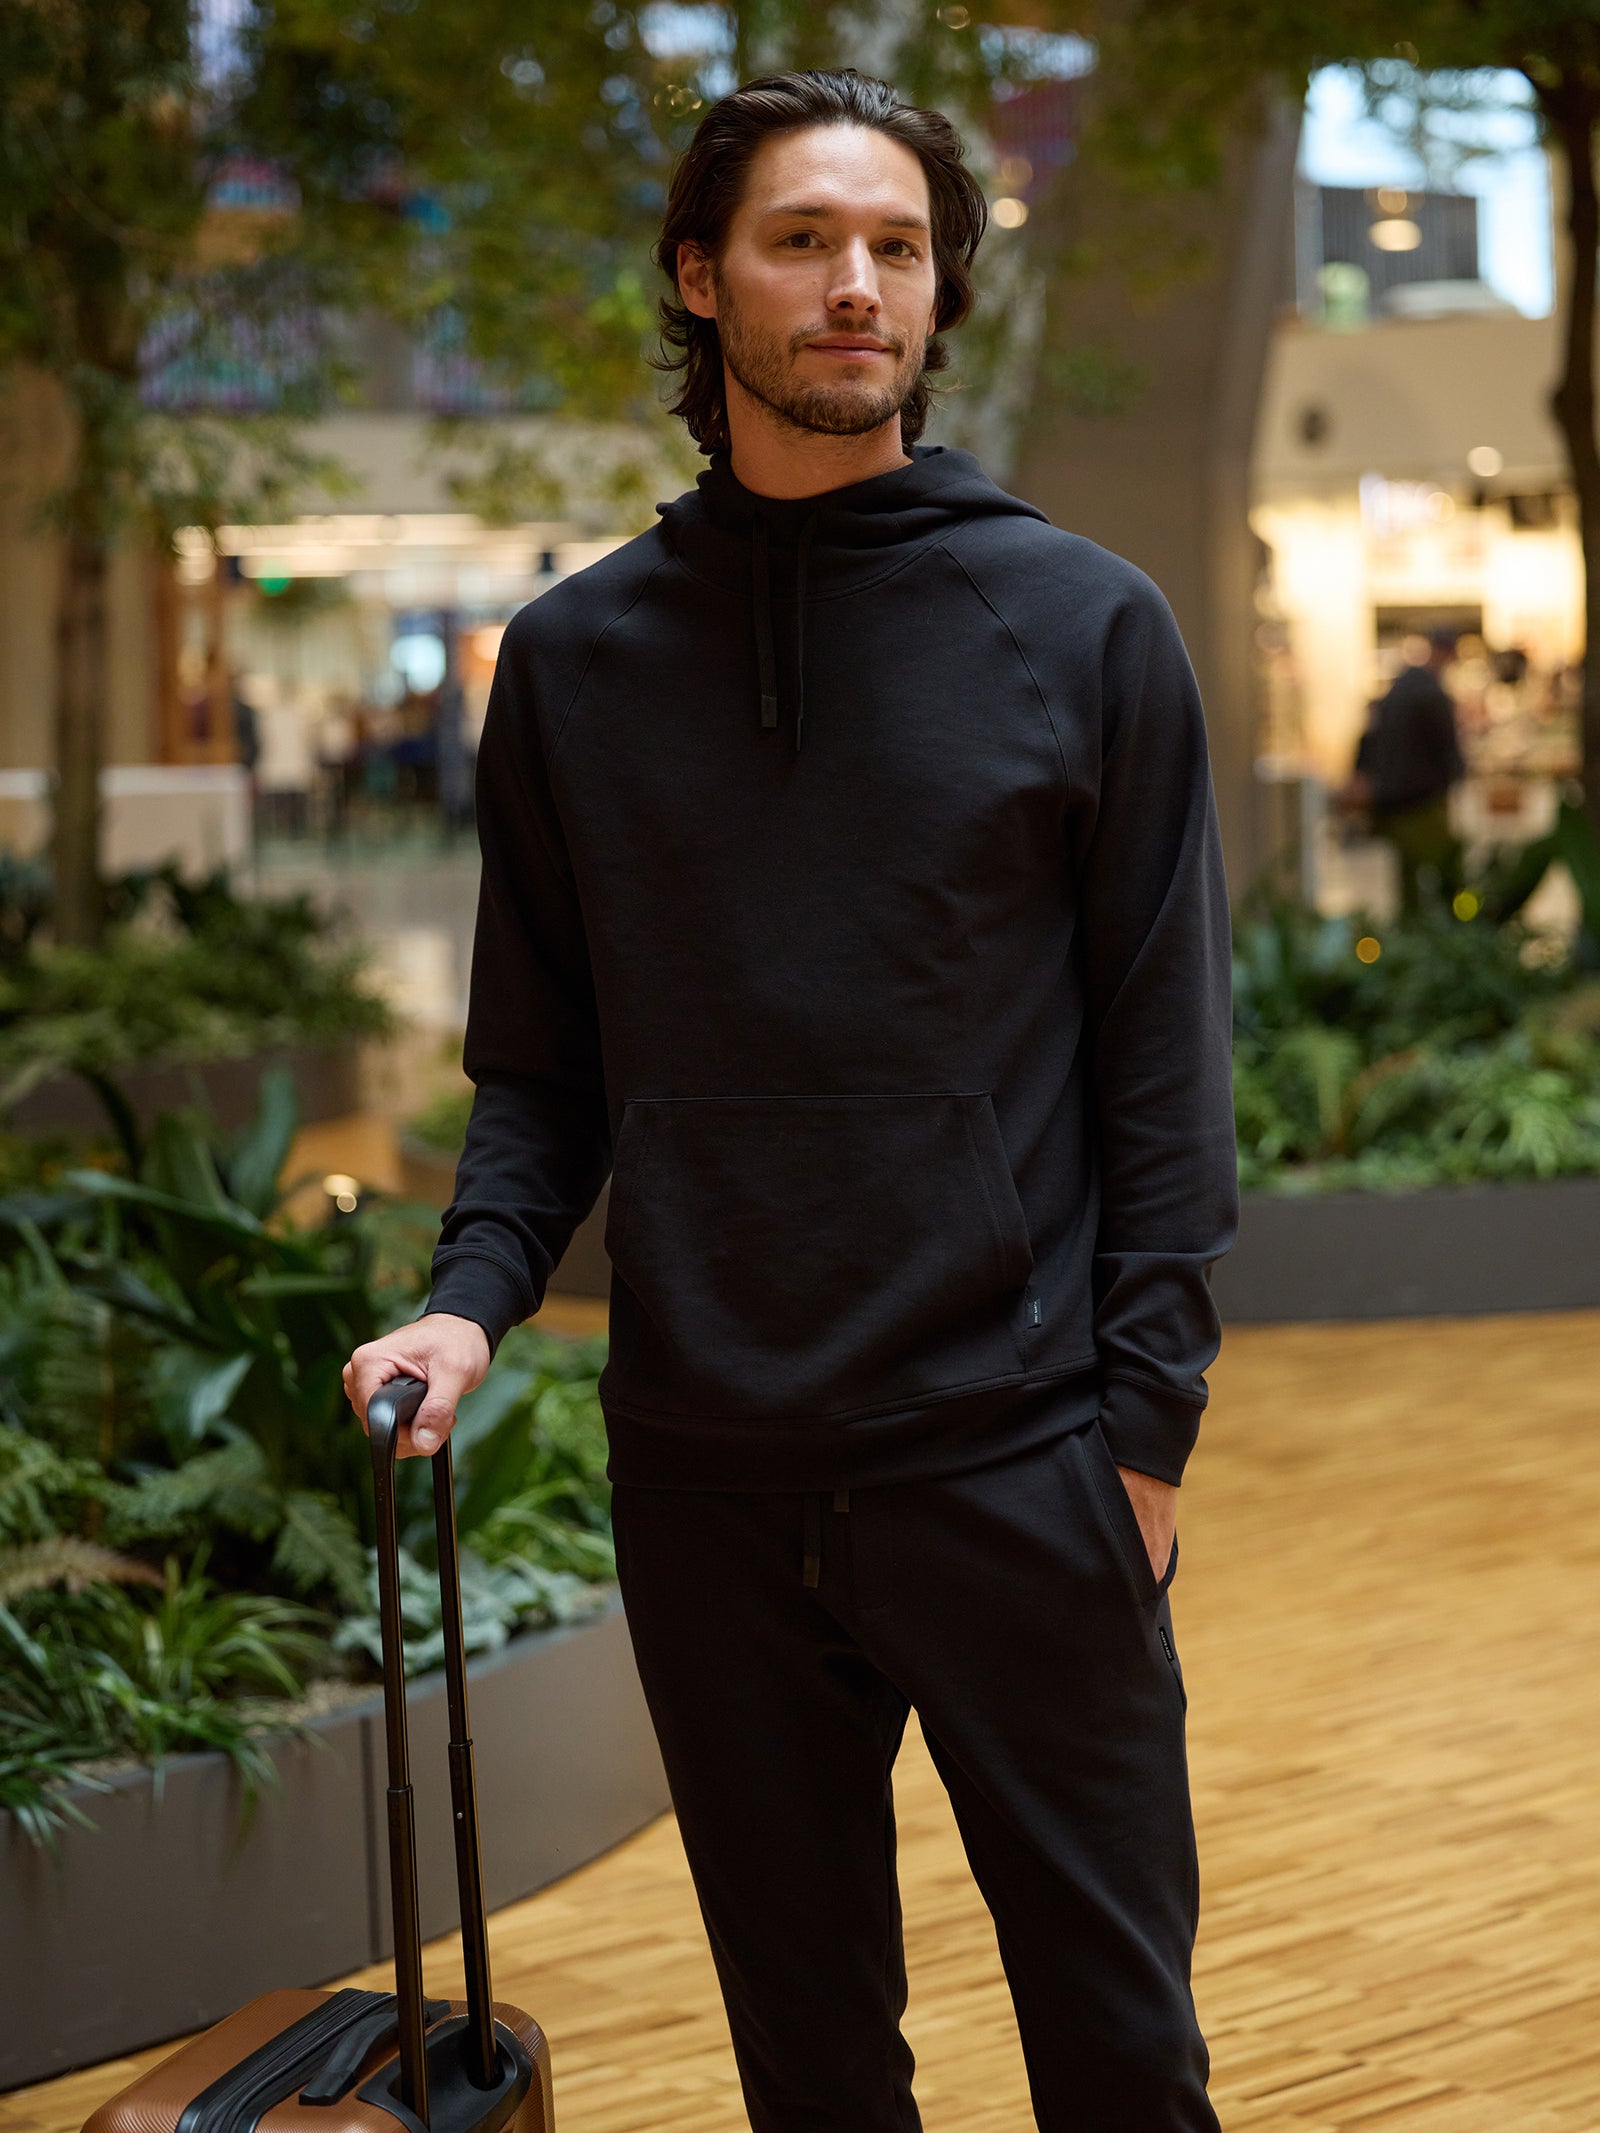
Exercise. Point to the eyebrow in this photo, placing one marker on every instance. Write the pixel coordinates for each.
(820, 210)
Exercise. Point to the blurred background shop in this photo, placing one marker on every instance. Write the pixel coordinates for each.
(1407, 479)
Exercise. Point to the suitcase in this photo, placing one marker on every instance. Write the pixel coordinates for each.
(373, 2062)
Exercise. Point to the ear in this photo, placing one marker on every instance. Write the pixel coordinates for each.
(695, 286)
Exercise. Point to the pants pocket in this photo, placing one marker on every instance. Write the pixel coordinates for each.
(1122, 1521)
(812, 1256)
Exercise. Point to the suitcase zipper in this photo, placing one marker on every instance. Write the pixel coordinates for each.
(337, 2072)
(236, 2101)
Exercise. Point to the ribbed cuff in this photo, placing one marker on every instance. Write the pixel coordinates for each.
(484, 1290)
(1147, 1430)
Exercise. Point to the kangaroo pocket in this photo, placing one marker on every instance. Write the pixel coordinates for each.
(811, 1256)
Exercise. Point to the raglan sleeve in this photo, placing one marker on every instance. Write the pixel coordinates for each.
(537, 1147)
(1157, 949)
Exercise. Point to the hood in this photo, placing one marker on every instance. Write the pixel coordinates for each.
(813, 548)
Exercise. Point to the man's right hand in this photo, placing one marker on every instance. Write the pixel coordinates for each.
(449, 1354)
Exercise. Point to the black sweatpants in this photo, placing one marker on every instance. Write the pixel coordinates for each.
(781, 1639)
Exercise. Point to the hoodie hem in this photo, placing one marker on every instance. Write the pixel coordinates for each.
(949, 1436)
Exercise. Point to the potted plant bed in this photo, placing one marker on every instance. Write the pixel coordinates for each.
(1440, 1251)
(327, 1085)
(165, 1916)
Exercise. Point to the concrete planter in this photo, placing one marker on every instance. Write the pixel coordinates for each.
(328, 1085)
(1456, 1249)
(162, 1920)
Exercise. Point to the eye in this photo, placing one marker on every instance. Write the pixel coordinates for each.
(797, 238)
(903, 246)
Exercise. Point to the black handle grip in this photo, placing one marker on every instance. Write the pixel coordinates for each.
(391, 1407)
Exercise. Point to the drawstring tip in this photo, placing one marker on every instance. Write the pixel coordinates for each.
(769, 710)
(811, 1552)
(798, 727)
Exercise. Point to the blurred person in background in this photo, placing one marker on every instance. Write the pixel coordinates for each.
(246, 737)
(338, 743)
(852, 891)
(284, 769)
(454, 757)
(1406, 762)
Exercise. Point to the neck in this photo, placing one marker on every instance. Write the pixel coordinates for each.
(773, 457)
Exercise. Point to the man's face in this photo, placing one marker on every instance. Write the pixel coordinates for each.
(824, 290)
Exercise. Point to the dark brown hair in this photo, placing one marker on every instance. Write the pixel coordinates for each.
(708, 185)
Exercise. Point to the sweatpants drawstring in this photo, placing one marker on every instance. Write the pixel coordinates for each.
(813, 1541)
(811, 1571)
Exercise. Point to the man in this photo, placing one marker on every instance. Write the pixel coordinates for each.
(852, 885)
(1409, 757)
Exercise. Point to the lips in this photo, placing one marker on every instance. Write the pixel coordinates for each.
(857, 349)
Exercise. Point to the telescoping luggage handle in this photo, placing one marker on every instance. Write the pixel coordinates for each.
(388, 1410)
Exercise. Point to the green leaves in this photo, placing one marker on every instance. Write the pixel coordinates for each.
(1462, 1051)
(318, 1547)
(170, 1381)
(42, 1494)
(192, 1390)
(99, 1672)
(258, 1156)
(71, 1563)
(496, 1598)
(222, 977)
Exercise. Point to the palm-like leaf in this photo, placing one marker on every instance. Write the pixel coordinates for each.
(69, 1562)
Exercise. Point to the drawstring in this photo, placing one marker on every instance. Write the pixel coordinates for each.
(806, 531)
(761, 603)
(766, 666)
(812, 1568)
(811, 1556)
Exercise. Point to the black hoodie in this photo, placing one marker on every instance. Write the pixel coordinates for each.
(852, 892)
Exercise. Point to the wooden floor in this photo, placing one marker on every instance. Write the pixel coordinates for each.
(1387, 1613)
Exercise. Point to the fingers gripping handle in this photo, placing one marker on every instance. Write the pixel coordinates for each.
(388, 1410)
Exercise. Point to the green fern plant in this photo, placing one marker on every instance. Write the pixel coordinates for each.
(496, 1599)
(105, 1672)
(73, 1564)
(171, 1352)
(1458, 1050)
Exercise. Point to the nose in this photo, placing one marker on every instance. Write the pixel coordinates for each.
(855, 280)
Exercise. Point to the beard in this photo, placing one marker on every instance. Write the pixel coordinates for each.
(763, 363)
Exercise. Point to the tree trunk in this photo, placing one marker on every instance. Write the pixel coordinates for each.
(1572, 107)
(81, 673)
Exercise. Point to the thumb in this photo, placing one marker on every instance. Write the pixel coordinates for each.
(435, 1418)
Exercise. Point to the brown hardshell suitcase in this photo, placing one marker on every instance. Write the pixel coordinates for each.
(373, 2062)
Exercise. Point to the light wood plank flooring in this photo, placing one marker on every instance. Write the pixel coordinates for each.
(1386, 1608)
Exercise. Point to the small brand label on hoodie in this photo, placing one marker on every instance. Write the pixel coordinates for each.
(1035, 1311)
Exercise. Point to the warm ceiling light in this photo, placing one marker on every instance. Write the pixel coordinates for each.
(1368, 949)
(1484, 460)
(1010, 213)
(1398, 234)
(1392, 200)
